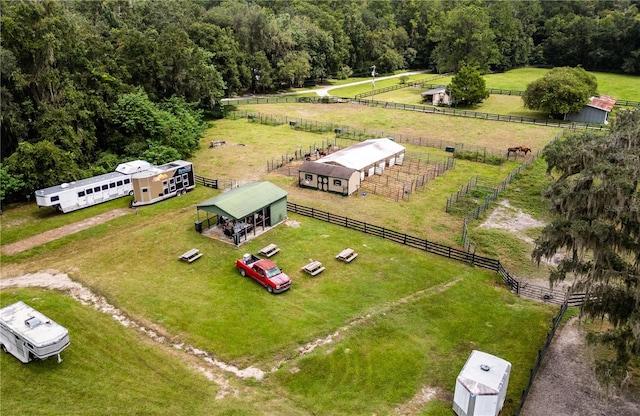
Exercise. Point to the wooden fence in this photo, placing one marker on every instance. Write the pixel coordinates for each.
(542, 293)
(451, 111)
(215, 183)
(480, 154)
(498, 91)
(555, 323)
(395, 236)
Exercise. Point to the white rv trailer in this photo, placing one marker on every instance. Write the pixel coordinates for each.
(481, 386)
(72, 196)
(29, 335)
(162, 182)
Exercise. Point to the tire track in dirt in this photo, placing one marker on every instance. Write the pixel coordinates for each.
(51, 235)
(60, 281)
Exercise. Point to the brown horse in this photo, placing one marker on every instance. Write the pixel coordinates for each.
(525, 149)
(513, 150)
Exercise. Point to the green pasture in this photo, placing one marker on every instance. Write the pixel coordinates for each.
(621, 86)
(366, 84)
(401, 319)
(468, 131)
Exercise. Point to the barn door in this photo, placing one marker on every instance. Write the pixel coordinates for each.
(323, 183)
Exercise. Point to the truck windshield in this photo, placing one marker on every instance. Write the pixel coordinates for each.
(274, 271)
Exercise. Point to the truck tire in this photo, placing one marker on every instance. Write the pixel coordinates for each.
(269, 289)
(242, 272)
(4, 349)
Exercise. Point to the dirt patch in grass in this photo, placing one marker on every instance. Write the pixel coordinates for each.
(517, 223)
(506, 217)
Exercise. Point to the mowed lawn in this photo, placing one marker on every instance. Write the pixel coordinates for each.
(395, 321)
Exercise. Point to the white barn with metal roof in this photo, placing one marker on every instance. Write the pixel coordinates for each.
(368, 157)
(343, 171)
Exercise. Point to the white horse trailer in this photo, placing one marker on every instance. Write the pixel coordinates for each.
(29, 335)
(72, 196)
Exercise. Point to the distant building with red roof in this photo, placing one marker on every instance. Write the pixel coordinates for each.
(597, 111)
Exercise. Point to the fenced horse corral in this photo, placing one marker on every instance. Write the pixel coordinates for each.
(396, 182)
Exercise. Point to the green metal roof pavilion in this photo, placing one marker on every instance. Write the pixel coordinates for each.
(243, 201)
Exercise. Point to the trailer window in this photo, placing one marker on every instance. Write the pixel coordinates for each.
(105, 187)
(145, 190)
(126, 181)
(112, 185)
(337, 182)
(119, 183)
(179, 179)
(55, 198)
(80, 194)
(96, 189)
(89, 191)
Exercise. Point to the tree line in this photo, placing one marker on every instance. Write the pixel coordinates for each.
(88, 84)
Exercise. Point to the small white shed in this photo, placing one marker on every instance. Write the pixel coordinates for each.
(481, 386)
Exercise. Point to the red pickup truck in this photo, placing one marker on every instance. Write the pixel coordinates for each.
(265, 272)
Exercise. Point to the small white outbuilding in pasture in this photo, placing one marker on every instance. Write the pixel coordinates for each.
(481, 386)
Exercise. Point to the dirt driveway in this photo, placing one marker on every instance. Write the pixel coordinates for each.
(566, 384)
(51, 235)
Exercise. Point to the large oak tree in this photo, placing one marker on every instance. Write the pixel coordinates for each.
(561, 91)
(596, 204)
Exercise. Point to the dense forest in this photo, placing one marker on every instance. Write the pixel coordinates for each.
(88, 84)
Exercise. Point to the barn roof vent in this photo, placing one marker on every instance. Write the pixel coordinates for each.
(484, 367)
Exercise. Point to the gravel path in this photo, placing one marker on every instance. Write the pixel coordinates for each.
(566, 384)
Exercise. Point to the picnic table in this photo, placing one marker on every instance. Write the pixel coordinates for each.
(191, 255)
(347, 255)
(269, 250)
(313, 268)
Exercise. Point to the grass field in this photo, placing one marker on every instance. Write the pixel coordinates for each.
(383, 311)
(394, 323)
(620, 86)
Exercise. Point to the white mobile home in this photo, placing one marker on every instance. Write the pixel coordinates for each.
(29, 335)
(72, 196)
(481, 386)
